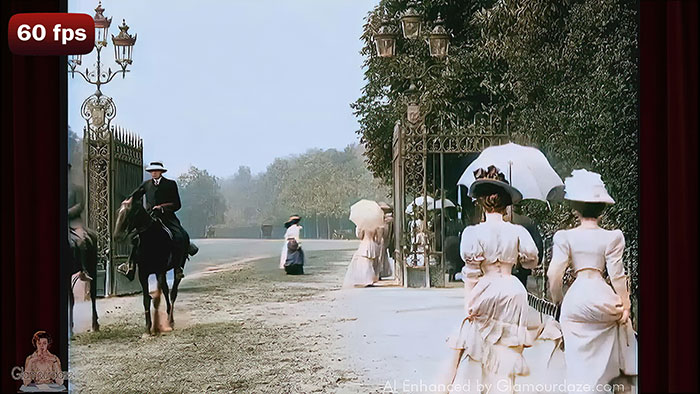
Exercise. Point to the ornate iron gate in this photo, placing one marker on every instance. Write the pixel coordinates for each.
(418, 166)
(113, 165)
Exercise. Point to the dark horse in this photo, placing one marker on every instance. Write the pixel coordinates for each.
(155, 254)
(89, 253)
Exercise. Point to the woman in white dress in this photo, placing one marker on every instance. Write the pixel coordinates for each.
(599, 341)
(293, 232)
(494, 332)
(361, 272)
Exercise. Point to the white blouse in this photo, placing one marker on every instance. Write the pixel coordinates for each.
(293, 232)
(495, 245)
(588, 248)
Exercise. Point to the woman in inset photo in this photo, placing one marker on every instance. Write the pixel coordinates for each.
(42, 367)
(599, 341)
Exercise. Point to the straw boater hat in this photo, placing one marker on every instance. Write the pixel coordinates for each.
(490, 181)
(294, 219)
(156, 166)
(586, 186)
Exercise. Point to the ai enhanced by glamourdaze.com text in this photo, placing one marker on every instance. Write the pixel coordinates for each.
(503, 385)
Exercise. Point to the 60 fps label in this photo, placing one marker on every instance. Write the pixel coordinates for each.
(45, 34)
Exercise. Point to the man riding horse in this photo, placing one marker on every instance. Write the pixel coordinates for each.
(162, 201)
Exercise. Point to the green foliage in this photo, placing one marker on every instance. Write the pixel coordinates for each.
(564, 72)
(202, 201)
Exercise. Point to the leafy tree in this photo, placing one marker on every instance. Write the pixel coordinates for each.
(202, 201)
(320, 185)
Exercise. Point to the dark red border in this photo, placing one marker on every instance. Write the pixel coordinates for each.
(33, 154)
(34, 231)
(668, 317)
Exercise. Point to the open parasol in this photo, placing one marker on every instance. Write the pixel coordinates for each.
(367, 214)
(525, 168)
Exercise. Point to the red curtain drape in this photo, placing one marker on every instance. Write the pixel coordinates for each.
(33, 139)
(668, 320)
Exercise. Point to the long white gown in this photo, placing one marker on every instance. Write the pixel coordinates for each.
(361, 272)
(293, 231)
(597, 348)
(494, 332)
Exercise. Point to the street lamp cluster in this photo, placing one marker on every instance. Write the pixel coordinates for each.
(411, 23)
(438, 40)
(123, 50)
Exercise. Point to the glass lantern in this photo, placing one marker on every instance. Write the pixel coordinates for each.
(411, 22)
(102, 24)
(385, 40)
(439, 40)
(123, 45)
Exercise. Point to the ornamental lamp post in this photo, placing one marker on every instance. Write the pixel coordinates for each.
(411, 22)
(123, 50)
(102, 143)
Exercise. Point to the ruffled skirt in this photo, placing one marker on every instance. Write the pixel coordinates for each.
(495, 331)
(596, 347)
(361, 272)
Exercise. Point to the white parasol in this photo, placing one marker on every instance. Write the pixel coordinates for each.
(367, 214)
(418, 203)
(525, 168)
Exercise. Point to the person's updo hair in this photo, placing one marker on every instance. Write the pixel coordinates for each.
(41, 334)
(590, 210)
(495, 202)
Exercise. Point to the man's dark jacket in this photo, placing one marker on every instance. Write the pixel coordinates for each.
(167, 196)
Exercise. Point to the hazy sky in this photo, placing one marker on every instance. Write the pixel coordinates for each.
(219, 84)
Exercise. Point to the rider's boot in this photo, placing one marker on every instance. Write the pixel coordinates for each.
(129, 267)
(193, 249)
(82, 256)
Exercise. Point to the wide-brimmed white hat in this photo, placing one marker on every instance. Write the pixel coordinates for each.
(156, 166)
(586, 186)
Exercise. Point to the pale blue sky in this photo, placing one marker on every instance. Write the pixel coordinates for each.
(219, 84)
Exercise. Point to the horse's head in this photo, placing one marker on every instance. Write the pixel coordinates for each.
(125, 219)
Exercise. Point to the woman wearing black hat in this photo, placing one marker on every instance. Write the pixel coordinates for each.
(494, 332)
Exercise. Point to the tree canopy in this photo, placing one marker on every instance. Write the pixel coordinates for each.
(317, 183)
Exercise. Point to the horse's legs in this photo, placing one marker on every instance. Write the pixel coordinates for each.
(143, 279)
(92, 266)
(163, 285)
(71, 302)
(93, 298)
(173, 296)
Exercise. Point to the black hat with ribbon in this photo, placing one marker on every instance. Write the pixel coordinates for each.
(491, 181)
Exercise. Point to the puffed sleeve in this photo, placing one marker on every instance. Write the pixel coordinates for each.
(561, 255)
(527, 249)
(472, 252)
(615, 267)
